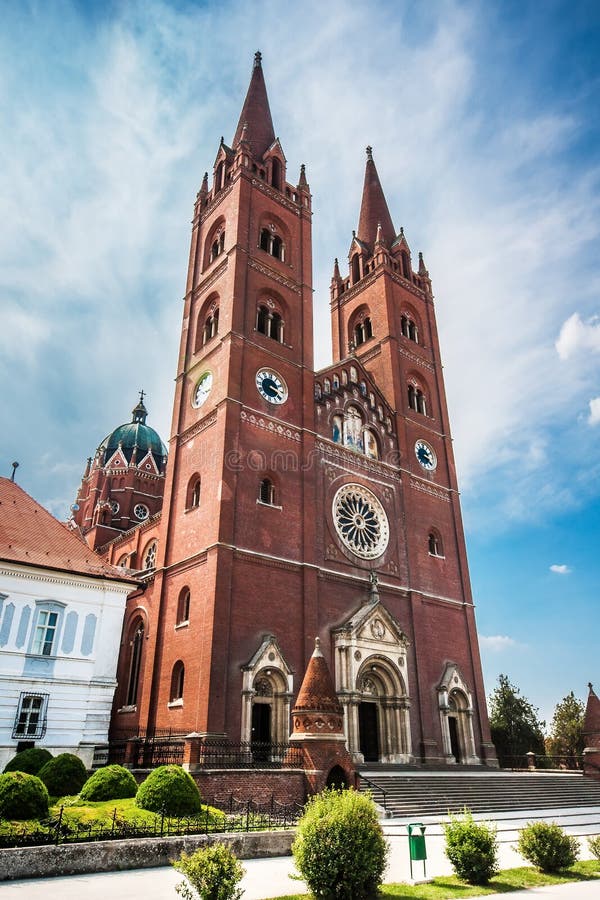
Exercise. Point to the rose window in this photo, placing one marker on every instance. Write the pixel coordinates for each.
(360, 521)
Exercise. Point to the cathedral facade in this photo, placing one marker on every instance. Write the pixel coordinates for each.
(298, 504)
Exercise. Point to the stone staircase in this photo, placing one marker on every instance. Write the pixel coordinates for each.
(418, 794)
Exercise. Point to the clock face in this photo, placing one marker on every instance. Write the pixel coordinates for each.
(202, 390)
(271, 386)
(425, 455)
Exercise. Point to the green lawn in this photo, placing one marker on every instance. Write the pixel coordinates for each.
(450, 888)
(80, 812)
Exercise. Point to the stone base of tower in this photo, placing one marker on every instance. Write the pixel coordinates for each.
(326, 762)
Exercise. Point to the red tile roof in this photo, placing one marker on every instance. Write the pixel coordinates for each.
(30, 535)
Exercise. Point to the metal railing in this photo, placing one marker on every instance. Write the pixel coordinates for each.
(147, 751)
(240, 816)
(375, 789)
(531, 761)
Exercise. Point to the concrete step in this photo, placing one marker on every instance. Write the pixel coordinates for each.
(408, 794)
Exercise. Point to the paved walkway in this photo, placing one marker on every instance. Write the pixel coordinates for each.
(268, 878)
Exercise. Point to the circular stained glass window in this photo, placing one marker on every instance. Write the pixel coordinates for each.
(115, 507)
(360, 521)
(141, 512)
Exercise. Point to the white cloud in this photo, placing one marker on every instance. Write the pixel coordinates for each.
(560, 569)
(496, 643)
(578, 336)
(594, 416)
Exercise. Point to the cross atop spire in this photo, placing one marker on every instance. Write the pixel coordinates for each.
(255, 121)
(140, 412)
(374, 209)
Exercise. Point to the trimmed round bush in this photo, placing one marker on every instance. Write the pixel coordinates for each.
(30, 761)
(63, 774)
(170, 790)
(547, 846)
(213, 873)
(110, 783)
(22, 796)
(472, 848)
(339, 848)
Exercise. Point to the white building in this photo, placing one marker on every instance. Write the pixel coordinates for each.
(61, 613)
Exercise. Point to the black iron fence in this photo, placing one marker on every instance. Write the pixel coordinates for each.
(149, 750)
(237, 816)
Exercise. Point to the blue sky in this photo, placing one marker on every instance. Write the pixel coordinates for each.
(484, 122)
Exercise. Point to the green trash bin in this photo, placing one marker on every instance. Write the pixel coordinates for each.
(416, 844)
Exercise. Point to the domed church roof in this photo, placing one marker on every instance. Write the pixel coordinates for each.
(134, 436)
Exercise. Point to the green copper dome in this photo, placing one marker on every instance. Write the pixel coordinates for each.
(135, 437)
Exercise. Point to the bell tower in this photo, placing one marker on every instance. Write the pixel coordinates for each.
(242, 426)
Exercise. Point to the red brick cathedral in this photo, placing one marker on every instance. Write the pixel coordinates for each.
(297, 503)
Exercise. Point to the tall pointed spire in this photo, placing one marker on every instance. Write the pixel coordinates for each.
(374, 209)
(255, 120)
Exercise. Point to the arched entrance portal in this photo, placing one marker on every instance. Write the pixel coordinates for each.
(370, 671)
(381, 711)
(456, 719)
(266, 696)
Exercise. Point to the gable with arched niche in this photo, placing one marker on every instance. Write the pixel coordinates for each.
(455, 707)
(274, 238)
(207, 322)
(371, 677)
(272, 319)
(275, 166)
(267, 689)
(214, 244)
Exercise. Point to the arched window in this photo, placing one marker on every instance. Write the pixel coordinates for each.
(318, 391)
(355, 268)
(150, 555)
(353, 429)
(370, 444)
(183, 606)
(336, 382)
(266, 492)
(193, 492)
(276, 173)
(416, 399)
(344, 377)
(326, 386)
(353, 374)
(136, 645)
(177, 679)
(405, 264)
(363, 331)
(337, 428)
(435, 544)
(211, 326)
(408, 328)
(269, 323)
(272, 243)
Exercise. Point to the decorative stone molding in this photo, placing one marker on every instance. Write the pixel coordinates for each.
(427, 489)
(198, 428)
(270, 425)
(274, 276)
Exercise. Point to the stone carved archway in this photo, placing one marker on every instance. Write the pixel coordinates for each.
(267, 681)
(371, 676)
(456, 718)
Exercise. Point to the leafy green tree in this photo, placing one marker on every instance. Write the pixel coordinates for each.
(514, 722)
(566, 731)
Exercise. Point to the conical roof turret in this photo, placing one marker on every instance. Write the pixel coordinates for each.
(374, 209)
(255, 124)
(317, 693)
(591, 722)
